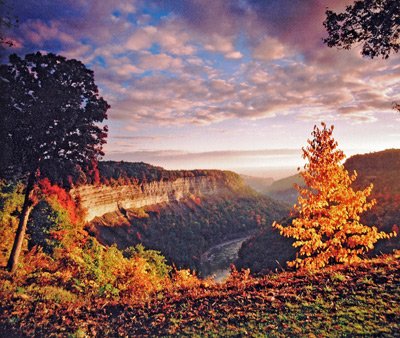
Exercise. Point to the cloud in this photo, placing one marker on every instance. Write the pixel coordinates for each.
(149, 61)
(222, 90)
(207, 18)
(160, 99)
(269, 49)
(203, 62)
(219, 43)
(64, 23)
(265, 91)
(143, 38)
(134, 138)
(234, 55)
(170, 36)
(295, 23)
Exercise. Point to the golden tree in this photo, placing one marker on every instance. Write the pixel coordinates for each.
(327, 228)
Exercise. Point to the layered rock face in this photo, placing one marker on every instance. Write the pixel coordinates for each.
(98, 200)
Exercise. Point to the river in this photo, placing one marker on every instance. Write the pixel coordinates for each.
(216, 262)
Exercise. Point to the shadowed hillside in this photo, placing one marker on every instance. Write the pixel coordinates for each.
(283, 189)
(259, 184)
(380, 168)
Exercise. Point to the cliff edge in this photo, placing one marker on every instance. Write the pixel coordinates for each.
(99, 199)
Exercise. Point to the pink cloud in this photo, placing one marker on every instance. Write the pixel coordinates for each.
(149, 61)
(170, 36)
(269, 49)
(275, 62)
(234, 55)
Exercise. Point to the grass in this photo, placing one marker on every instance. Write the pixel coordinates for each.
(360, 300)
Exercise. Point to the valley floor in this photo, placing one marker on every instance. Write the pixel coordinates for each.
(216, 262)
(360, 300)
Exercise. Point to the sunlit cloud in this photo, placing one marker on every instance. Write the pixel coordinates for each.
(211, 64)
(269, 49)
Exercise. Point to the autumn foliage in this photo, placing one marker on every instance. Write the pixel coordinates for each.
(59, 253)
(327, 226)
(69, 284)
(53, 191)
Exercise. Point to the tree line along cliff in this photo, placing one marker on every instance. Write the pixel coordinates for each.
(127, 185)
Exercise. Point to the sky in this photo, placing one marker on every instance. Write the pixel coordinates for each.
(218, 84)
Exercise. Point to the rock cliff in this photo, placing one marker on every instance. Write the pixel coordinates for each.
(98, 200)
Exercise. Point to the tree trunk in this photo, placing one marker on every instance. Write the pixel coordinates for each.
(23, 221)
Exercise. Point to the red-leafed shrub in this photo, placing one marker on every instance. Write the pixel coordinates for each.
(64, 198)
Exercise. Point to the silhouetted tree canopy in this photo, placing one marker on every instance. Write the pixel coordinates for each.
(373, 23)
(49, 115)
(50, 110)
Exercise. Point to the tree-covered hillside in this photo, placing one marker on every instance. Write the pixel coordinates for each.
(382, 170)
(283, 189)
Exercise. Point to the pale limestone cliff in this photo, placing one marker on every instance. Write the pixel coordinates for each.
(98, 200)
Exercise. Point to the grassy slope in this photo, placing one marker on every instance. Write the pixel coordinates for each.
(338, 301)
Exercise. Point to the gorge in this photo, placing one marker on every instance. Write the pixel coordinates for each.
(181, 214)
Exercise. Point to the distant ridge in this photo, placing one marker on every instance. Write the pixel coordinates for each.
(259, 184)
(380, 168)
(283, 189)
